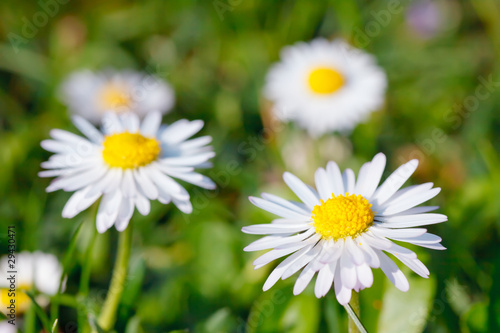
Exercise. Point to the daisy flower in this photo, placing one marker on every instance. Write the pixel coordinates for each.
(35, 271)
(325, 86)
(127, 164)
(342, 229)
(91, 95)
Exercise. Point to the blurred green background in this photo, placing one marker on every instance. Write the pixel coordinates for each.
(189, 273)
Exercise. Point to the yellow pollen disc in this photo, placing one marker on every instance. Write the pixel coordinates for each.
(342, 216)
(324, 80)
(114, 97)
(129, 150)
(21, 300)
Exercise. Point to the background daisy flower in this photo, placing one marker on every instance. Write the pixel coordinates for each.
(36, 271)
(325, 86)
(345, 227)
(92, 94)
(128, 164)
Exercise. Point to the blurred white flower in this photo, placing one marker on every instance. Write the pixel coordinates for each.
(342, 229)
(92, 94)
(6, 327)
(34, 271)
(128, 164)
(325, 86)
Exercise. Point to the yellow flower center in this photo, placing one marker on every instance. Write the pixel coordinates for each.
(21, 300)
(129, 150)
(114, 97)
(324, 80)
(342, 216)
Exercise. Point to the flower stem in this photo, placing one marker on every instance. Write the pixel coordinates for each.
(107, 317)
(355, 325)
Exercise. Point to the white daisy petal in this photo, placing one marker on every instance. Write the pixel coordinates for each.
(88, 129)
(398, 251)
(79, 202)
(363, 175)
(303, 280)
(365, 275)
(124, 214)
(407, 221)
(151, 124)
(355, 252)
(405, 193)
(142, 203)
(422, 239)
(405, 233)
(410, 202)
(195, 143)
(302, 261)
(263, 229)
(335, 178)
(292, 205)
(180, 131)
(323, 184)
(348, 180)
(275, 241)
(277, 273)
(75, 182)
(193, 178)
(415, 265)
(108, 210)
(370, 255)
(433, 246)
(275, 254)
(277, 209)
(324, 280)
(167, 184)
(418, 210)
(342, 293)
(393, 273)
(301, 190)
(348, 271)
(56, 146)
(109, 182)
(375, 172)
(187, 160)
(128, 184)
(145, 184)
(184, 206)
(394, 182)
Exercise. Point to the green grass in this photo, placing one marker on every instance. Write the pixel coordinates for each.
(189, 272)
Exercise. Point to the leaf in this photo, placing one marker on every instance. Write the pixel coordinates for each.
(40, 313)
(407, 312)
(54, 326)
(134, 325)
(266, 312)
(67, 260)
(476, 319)
(92, 320)
(301, 315)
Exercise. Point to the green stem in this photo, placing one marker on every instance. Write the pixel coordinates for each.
(355, 325)
(83, 291)
(107, 317)
(30, 320)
